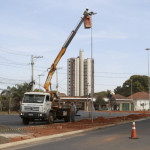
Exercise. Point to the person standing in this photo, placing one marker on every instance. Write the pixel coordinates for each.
(86, 12)
(73, 112)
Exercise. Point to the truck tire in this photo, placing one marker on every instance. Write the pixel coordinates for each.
(50, 119)
(67, 119)
(25, 121)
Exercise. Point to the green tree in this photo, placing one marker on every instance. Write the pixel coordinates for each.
(100, 99)
(112, 101)
(139, 83)
(15, 94)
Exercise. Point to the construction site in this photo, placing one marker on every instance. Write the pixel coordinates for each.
(40, 118)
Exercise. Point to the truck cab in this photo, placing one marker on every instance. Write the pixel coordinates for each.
(35, 105)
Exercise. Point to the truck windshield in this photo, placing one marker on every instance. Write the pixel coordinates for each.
(33, 98)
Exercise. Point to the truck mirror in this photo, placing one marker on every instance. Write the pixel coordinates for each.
(47, 98)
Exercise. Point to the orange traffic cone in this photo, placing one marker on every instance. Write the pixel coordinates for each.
(133, 132)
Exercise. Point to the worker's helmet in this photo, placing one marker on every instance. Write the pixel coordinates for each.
(87, 8)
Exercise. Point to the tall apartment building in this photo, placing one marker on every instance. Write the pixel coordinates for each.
(88, 78)
(79, 76)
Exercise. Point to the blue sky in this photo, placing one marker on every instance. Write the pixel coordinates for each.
(40, 27)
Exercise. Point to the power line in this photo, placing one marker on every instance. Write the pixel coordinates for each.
(12, 79)
(9, 83)
(9, 51)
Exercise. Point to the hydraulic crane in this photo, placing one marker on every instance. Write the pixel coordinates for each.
(43, 105)
(87, 21)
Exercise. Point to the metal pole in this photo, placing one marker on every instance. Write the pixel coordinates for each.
(91, 72)
(32, 69)
(92, 84)
(148, 76)
(40, 81)
(110, 103)
(9, 109)
(87, 104)
(87, 97)
(131, 96)
(131, 88)
(57, 81)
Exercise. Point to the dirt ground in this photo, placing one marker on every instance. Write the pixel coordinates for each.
(45, 130)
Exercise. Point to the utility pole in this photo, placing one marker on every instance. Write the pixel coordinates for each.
(92, 84)
(32, 70)
(58, 68)
(148, 76)
(87, 107)
(57, 81)
(9, 104)
(132, 96)
(39, 80)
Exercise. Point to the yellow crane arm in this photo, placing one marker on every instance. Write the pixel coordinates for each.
(53, 68)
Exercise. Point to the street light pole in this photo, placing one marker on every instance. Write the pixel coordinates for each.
(92, 84)
(148, 75)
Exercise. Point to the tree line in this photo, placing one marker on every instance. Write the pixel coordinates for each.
(11, 97)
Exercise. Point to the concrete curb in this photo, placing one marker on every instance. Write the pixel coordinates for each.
(7, 145)
(13, 144)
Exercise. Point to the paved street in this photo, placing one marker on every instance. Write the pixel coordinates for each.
(114, 138)
(14, 121)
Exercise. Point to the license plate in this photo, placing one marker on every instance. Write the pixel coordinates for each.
(64, 113)
(30, 114)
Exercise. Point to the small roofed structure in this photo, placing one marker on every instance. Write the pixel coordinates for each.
(123, 103)
(141, 100)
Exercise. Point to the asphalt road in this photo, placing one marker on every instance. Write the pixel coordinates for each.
(114, 138)
(14, 121)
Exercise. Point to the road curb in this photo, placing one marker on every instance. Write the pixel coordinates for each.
(13, 144)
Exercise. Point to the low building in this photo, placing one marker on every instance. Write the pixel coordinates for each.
(141, 100)
(123, 103)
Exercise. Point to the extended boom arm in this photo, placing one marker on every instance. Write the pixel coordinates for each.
(61, 53)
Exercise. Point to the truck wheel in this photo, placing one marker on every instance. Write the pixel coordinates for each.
(25, 121)
(50, 118)
(67, 119)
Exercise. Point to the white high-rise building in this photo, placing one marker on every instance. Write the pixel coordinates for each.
(77, 81)
(81, 73)
(88, 79)
(71, 77)
(79, 76)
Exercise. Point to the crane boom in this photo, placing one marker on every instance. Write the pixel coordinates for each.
(61, 53)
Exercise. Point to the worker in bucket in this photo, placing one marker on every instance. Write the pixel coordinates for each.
(73, 112)
(86, 12)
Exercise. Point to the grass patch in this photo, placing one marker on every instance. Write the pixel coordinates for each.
(11, 113)
(3, 140)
